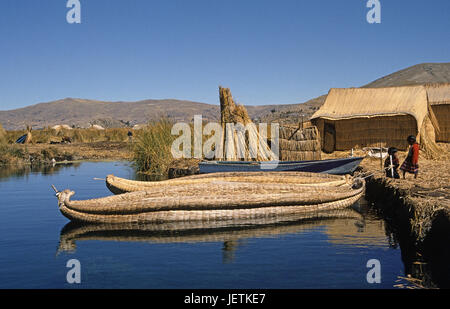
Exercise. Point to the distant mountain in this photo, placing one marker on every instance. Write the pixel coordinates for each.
(423, 73)
(417, 74)
(83, 113)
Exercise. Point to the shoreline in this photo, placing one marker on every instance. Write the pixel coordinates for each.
(420, 209)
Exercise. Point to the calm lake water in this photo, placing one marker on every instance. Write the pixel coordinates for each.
(36, 242)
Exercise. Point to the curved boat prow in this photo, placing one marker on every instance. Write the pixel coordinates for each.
(63, 196)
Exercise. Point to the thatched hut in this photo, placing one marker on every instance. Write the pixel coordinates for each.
(439, 99)
(365, 117)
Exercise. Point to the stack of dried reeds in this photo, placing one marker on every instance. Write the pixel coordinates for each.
(240, 144)
(299, 143)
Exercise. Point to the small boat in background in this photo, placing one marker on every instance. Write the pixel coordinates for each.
(21, 140)
(331, 166)
(375, 152)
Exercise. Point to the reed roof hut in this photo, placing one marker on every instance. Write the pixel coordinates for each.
(367, 117)
(439, 99)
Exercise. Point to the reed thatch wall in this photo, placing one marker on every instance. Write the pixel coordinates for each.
(391, 131)
(438, 94)
(299, 144)
(442, 113)
(439, 99)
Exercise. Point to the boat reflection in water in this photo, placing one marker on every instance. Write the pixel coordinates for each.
(231, 232)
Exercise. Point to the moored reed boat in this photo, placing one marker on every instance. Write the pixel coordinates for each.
(119, 185)
(218, 200)
(198, 231)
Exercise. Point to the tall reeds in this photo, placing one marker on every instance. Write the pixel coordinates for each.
(151, 150)
(3, 139)
(48, 135)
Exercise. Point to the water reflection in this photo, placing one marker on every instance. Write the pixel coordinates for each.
(21, 171)
(232, 233)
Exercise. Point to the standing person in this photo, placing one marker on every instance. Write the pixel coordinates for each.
(130, 136)
(411, 164)
(391, 171)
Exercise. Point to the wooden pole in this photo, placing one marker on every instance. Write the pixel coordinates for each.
(381, 157)
(392, 167)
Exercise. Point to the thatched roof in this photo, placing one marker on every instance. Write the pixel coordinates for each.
(438, 93)
(351, 103)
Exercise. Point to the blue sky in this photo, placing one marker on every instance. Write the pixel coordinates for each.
(267, 52)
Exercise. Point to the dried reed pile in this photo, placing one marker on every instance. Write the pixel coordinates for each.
(298, 144)
(237, 144)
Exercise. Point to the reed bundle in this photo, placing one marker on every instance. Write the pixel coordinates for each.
(248, 145)
(298, 134)
(288, 155)
(299, 144)
(312, 145)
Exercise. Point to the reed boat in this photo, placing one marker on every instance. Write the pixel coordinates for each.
(331, 166)
(217, 200)
(119, 185)
(197, 231)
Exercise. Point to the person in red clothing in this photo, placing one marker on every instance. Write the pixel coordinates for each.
(411, 164)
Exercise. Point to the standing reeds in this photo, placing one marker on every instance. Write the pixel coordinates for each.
(3, 139)
(151, 151)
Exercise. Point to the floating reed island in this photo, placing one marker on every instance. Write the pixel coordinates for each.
(218, 197)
